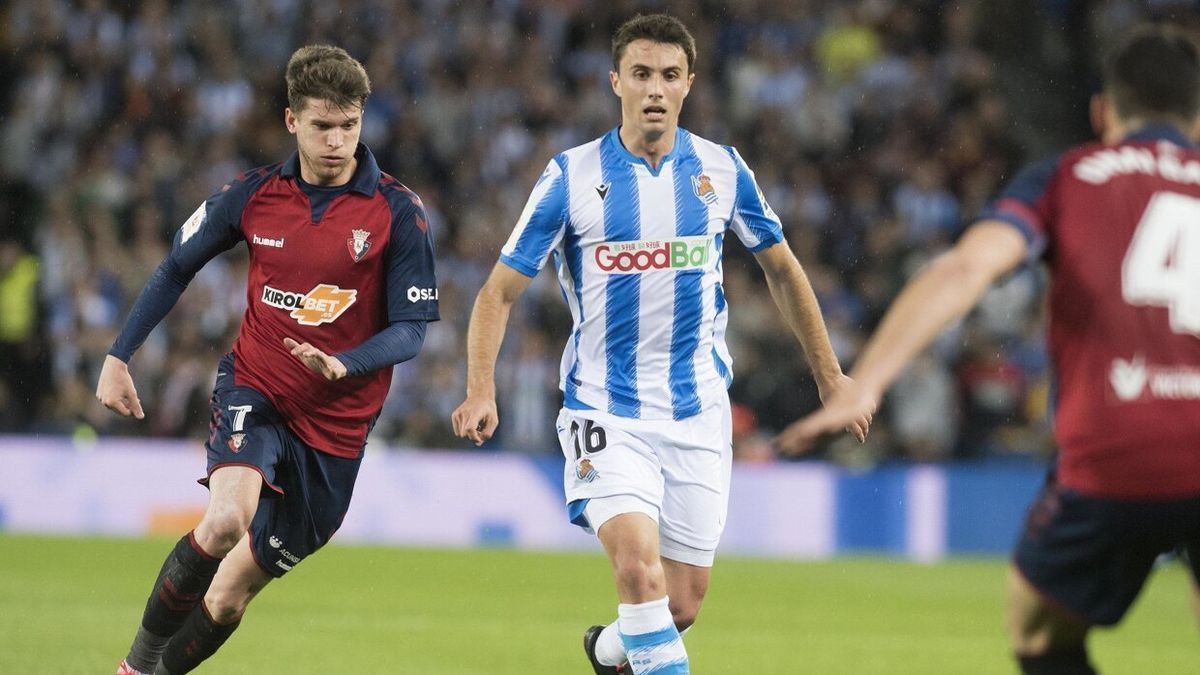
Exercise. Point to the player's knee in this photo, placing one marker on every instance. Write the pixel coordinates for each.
(225, 606)
(639, 577)
(222, 528)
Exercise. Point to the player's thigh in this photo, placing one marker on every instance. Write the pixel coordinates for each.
(233, 491)
(1088, 558)
(245, 430)
(607, 458)
(696, 458)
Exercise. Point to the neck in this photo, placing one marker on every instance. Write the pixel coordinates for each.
(648, 146)
(1118, 129)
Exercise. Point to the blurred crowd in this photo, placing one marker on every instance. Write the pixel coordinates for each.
(877, 128)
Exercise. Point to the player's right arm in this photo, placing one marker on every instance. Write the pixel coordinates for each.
(476, 418)
(537, 232)
(943, 292)
(213, 228)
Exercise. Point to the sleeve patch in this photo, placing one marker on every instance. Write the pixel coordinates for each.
(193, 223)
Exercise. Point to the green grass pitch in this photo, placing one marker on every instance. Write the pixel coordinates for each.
(71, 605)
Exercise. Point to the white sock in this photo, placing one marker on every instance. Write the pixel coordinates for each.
(610, 651)
(651, 640)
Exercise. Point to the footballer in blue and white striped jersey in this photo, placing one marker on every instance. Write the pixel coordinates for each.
(638, 253)
(636, 223)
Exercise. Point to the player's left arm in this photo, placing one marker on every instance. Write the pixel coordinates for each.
(794, 296)
(411, 297)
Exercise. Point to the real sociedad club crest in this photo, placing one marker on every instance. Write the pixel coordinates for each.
(704, 189)
(358, 244)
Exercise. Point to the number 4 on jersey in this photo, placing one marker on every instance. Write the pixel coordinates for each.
(1162, 265)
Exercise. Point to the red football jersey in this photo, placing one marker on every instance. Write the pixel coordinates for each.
(1119, 228)
(332, 269)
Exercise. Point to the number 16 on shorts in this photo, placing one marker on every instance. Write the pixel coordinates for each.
(588, 438)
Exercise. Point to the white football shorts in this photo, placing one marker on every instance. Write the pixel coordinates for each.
(674, 471)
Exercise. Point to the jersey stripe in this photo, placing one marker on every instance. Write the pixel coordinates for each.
(622, 222)
(691, 219)
(573, 254)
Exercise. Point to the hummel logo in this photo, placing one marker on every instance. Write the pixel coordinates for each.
(602, 190)
(267, 241)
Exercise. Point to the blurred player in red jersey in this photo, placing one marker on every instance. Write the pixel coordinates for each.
(341, 284)
(1118, 225)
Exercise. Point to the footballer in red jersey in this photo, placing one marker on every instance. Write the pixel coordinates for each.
(341, 285)
(1117, 224)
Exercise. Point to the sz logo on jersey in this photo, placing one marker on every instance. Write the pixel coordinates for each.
(323, 304)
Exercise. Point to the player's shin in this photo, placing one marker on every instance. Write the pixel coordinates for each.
(199, 638)
(181, 583)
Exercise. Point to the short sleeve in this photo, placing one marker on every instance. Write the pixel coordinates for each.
(753, 221)
(542, 222)
(1024, 203)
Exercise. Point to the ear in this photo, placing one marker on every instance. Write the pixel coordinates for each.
(289, 120)
(691, 78)
(614, 80)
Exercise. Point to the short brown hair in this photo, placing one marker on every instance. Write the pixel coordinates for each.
(655, 28)
(1154, 72)
(328, 73)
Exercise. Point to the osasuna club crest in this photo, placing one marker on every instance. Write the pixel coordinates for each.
(358, 244)
(236, 441)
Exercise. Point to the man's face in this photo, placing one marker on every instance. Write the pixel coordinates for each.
(652, 83)
(326, 136)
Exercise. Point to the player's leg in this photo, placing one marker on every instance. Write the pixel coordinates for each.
(1081, 562)
(241, 456)
(1045, 639)
(237, 582)
(190, 567)
(647, 630)
(697, 464)
(686, 586)
(315, 494)
(613, 487)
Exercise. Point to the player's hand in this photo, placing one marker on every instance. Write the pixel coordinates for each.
(846, 406)
(476, 419)
(115, 389)
(316, 360)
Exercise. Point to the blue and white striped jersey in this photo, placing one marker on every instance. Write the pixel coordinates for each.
(638, 254)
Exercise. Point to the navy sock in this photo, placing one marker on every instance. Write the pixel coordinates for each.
(199, 638)
(1062, 662)
(181, 584)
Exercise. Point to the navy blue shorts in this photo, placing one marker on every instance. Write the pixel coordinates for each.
(305, 493)
(1090, 557)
